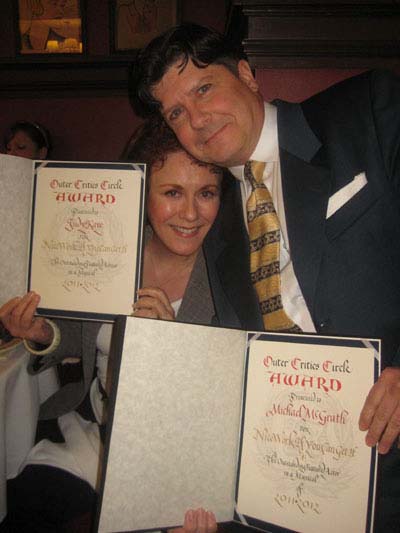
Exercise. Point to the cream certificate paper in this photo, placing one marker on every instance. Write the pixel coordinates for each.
(176, 438)
(86, 238)
(304, 464)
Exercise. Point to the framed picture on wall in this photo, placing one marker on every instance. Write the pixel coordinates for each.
(49, 26)
(134, 23)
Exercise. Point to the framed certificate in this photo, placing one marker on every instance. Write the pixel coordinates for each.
(86, 238)
(260, 428)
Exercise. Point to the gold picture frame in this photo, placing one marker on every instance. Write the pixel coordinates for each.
(50, 27)
(134, 23)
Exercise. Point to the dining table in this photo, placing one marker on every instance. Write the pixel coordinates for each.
(21, 394)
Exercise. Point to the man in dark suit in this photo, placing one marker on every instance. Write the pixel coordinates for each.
(333, 173)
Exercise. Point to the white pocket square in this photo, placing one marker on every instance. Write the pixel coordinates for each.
(343, 195)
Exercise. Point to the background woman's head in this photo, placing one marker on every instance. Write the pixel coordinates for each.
(27, 139)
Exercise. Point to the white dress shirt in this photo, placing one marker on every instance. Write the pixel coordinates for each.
(267, 150)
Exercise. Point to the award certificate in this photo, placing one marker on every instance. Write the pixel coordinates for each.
(86, 238)
(303, 462)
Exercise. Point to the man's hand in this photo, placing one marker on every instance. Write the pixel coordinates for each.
(197, 521)
(381, 412)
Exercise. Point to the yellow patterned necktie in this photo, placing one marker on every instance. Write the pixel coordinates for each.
(265, 235)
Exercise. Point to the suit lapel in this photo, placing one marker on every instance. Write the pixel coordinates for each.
(234, 262)
(229, 251)
(306, 188)
(306, 191)
(197, 305)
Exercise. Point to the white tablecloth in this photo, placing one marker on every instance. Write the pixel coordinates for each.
(20, 397)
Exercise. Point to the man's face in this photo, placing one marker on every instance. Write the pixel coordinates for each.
(216, 116)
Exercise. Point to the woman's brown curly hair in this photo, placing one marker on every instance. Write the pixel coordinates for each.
(152, 142)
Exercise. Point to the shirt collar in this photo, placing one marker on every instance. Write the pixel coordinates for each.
(267, 148)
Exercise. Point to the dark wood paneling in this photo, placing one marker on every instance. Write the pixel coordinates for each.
(43, 78)
(83, 101)
(318, 34)
(98, 70)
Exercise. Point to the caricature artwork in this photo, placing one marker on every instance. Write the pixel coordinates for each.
(139, 21)
(50, 26)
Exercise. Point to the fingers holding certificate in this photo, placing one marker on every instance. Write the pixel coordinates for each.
(380, 416)
(153, 303)
(18, 317)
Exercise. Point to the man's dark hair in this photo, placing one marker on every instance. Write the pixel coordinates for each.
(186, 42)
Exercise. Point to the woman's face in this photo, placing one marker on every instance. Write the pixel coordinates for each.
(183, 202)
(23, 146)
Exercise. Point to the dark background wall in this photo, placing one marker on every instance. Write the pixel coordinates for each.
(298, 47)
(93, 124)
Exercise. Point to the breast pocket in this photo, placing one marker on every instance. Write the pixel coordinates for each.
(350, 212)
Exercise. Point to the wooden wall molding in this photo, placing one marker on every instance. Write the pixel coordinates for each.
(41, 78)
(317, 34)
(275, 34)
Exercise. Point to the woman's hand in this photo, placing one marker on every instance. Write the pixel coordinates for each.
(153, 303)
(197, 521)
(17, 316)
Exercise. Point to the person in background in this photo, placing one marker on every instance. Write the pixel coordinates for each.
(57, 485)
(326, 259)
(27, 139)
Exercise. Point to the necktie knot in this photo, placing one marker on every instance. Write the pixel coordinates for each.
(254, 172)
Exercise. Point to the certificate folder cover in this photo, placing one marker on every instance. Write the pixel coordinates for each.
(15, 198)
(260, 428)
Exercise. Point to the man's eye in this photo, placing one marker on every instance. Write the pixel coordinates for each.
(204, 88)
(208, 194)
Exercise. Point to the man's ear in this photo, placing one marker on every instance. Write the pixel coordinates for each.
(246, 75)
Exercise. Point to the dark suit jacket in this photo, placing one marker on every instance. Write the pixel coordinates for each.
(348, 266)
